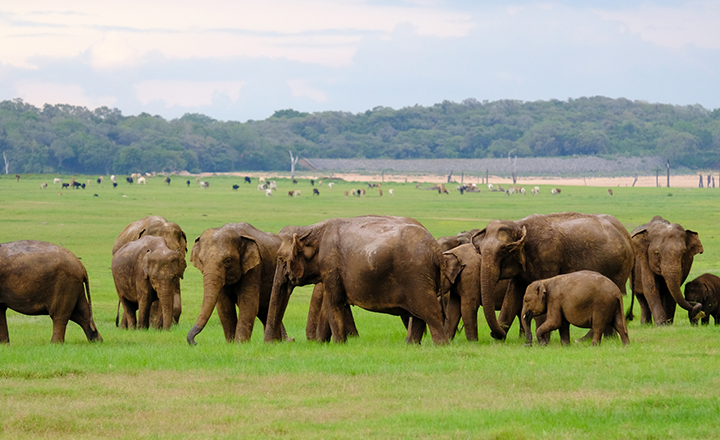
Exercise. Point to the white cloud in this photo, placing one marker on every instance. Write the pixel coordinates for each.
(41, 93)
(186, 93)
(301, 89)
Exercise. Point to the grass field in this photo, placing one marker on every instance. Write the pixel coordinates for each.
(151, 384)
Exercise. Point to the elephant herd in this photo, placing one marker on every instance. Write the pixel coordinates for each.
(560, 269)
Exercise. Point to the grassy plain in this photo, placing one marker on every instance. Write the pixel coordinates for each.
(151, 384)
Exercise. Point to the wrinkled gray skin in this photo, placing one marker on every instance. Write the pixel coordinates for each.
(462, 271)
(238, 265)
(144, 271)
(704, 290)
(584, 299)
(664, 255)
(157, 226)
(542, 246)
(40, 278)
(318, 326)
(380, 263)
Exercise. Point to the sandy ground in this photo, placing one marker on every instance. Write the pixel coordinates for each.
(681, 181)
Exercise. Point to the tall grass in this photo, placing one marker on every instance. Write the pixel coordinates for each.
(152, 384)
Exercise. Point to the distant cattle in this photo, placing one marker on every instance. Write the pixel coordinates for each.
(99, 180)
(76, 185)
(331, 184)
(316, 192)
(262, 187)
(294, 181)
(141, 181)
(346, 193)
(610, 191)
(188, 183)
(272, 185)
(43, 185)
(291, 193)
(268, 193)
(555, 191)
(114, 184)
(248, 180)
(390, 191)
(112, 179)
(297, 193)
(204, 184)
(57, 180)
(535, 190)
(235, 187)
(380, 191)
(167, 180)
(17, 176)
(129, 180)
(312, 182)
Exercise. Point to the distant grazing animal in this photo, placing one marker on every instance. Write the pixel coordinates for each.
(65, 185)
(346, 193)
(610, 191)
(316, 192)
(129, 180)
(167, 180)
(290, 193)
(82, 186)
(380, 191)
(268, 193)
(312, 182)
(141, 181)
(205, 184)
(390, 191)
(43, 185)
(535, 190)
(114, 184)
(57, 180)
(17, 176)
(261, 180)
(76, 185)
(371, 185)
(297, 193)
(331, 184)
(294, 181)
(197, 179)
(99, 180)
(418, 185)
(235, 187)
(112, 179)
(490, 186)
(89, 181)
(135, 175)
(149, 174)
(248, 179)
(262, 187)
(95, 195)
(188, 183)
(319, 182)
(272, 185)
(555, 191)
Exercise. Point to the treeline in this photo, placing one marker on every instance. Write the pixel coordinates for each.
(71, 139)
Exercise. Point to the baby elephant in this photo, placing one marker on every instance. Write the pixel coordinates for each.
(704, 290)
(584, 299)
(144, 271)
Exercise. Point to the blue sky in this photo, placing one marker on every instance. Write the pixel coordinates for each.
(240, 60)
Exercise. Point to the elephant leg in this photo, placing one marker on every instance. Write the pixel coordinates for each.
(416, 330)
(669, 306)
(469, 309)
(4, 335)
(452, 316)
(350, 328)
(82, 316)
(177, 308)
(228, 317)
(645, 315)
(322, 331)
(248, 303)
(512, 304)
(540, 320)
(144, 305)
(59, 327)
(315, 313)
(129, 319)
(656, 309)
(165, 312)
(334, 299)
(564, 332)
(542, 332)
(156, 317)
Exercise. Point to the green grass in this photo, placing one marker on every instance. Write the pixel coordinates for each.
(151, 384)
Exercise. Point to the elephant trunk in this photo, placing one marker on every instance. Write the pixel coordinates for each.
(212, 283)
(673, 279)
(488, 282)
(279, 297)
(527, 316)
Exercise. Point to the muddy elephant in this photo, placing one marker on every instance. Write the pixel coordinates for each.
(40, 278)
(145, 271)
(452, 241)
(380, 263)
(462, 271)
(664, 254)
(542, 246)
(704, 290)
(585, 299)
(238, 265)
(318, 326)
(159, 227)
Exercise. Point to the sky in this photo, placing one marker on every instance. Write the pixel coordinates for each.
(244, 59)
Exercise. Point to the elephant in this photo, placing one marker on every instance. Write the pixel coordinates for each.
(159, 227)
(664, 254)
(704, 290)
(542, 246)
(318, 326)
(452, 241)
(584, 299)
(40, 278)
(144, 271)
(462, 271)
(383, 264)
(238, 265)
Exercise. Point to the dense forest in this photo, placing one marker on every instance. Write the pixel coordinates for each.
(71, 139)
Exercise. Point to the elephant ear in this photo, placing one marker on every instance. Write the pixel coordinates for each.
(183, 264)
(250, 253)
(640, 243)
(301, 252)
(146, 264)
(184, 238)
(195, 254)
(141, 233)
(692, 241)
(542, 292)
(477, 238)
(453, 266)
(517, 249)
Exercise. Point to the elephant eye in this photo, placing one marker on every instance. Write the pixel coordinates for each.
(227, 262)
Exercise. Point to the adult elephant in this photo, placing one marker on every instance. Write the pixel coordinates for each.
(144, 271)
(664, 254)
(40, 278)
(318, 326)
(380, 263)
(452, 241)
(156, 226)
(463, 272)
(542, 246)
(238, 265)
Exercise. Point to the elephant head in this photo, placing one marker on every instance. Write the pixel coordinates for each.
(163, 269)
(502, 248)
(698, 291)
(296, 266)
(664, 255)
(156, 226)
(534, 304)
(224, 257)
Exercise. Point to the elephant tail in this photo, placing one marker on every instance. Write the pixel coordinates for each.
(117, 315)
(86, 283)
(629, 315)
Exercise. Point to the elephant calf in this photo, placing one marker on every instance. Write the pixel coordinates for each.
(40, 278)
(144, 271)
(584, 299)
(704, 290)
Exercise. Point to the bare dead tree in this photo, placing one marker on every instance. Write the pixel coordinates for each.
(700, 185)
(668, 173)
(7, 164)
(513, 164)
(293, 161)
(450, 176)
